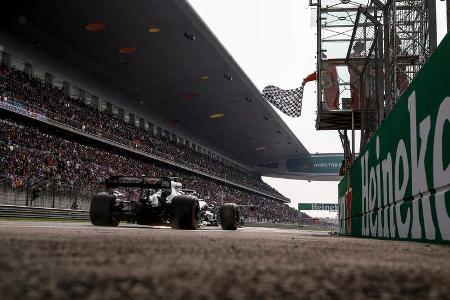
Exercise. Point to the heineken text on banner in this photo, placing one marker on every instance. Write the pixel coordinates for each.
(399, 187)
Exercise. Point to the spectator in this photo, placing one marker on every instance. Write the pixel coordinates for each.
(355, 68)
(330, 84)
(32, 94)
(25, 152)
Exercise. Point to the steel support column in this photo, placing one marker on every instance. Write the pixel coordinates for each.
(380, 74)
(432, 24)
(319, 57)
(448, 15)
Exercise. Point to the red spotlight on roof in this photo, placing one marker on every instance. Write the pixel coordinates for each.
(127, 50)
(96, 26)
(189, 96)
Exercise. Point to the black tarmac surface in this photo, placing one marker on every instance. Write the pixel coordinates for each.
(52, 260)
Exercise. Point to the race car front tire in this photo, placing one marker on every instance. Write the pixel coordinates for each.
(229, 216)
(185, 212)
(101, 212)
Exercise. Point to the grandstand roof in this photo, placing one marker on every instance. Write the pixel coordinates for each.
(159, 60)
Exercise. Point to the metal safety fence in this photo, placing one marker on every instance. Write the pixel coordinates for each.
(21, 191)
(13, 211)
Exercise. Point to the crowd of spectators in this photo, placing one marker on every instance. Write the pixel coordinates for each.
(50, 101)
(26, 152)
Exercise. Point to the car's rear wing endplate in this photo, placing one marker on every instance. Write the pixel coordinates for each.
(139, 182)
(188, 191)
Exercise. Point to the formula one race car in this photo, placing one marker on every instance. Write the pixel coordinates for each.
(209, 214)
(156, 201)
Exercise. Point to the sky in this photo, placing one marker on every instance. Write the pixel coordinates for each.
(274, 42)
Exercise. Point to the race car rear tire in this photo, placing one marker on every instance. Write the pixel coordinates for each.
(185, 212)
(229, 216)
(101, 212)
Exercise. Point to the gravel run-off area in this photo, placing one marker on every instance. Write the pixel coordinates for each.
(56, 260)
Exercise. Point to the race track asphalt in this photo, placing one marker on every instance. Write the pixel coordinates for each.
(54, 260)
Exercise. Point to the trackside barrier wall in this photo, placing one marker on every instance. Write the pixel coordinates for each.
(50, 195)
(398, 187)
(13, 211)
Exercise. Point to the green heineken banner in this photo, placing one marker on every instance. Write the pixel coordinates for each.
(318, 206)
(398, 188)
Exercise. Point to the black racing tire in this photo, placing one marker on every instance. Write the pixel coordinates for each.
(185, 212)
(101, 212)
(229, 216)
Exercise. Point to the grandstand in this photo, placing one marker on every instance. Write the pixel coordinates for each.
(85, 97)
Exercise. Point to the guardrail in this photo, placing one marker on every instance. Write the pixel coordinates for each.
(13, 211)
(51, 195)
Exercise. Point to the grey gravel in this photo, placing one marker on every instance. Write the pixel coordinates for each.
(53, 260)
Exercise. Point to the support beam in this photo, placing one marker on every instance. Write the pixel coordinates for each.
(95, 102)
(109, 107)
(319, 55)
(353, 136)
(448, 15)
(66, 88)
(82, 95)
(389, 94)
(380, 75)
(6, 59)
(132, 119)
(432, 24)
(28, 69)
(48, 78)
(121, 114)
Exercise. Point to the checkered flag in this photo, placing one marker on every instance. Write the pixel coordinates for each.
(288, 101)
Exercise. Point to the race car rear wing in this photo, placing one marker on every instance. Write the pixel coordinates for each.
(188, 191)
(139, 182)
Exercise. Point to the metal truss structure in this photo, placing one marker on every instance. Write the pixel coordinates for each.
(373, 49)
